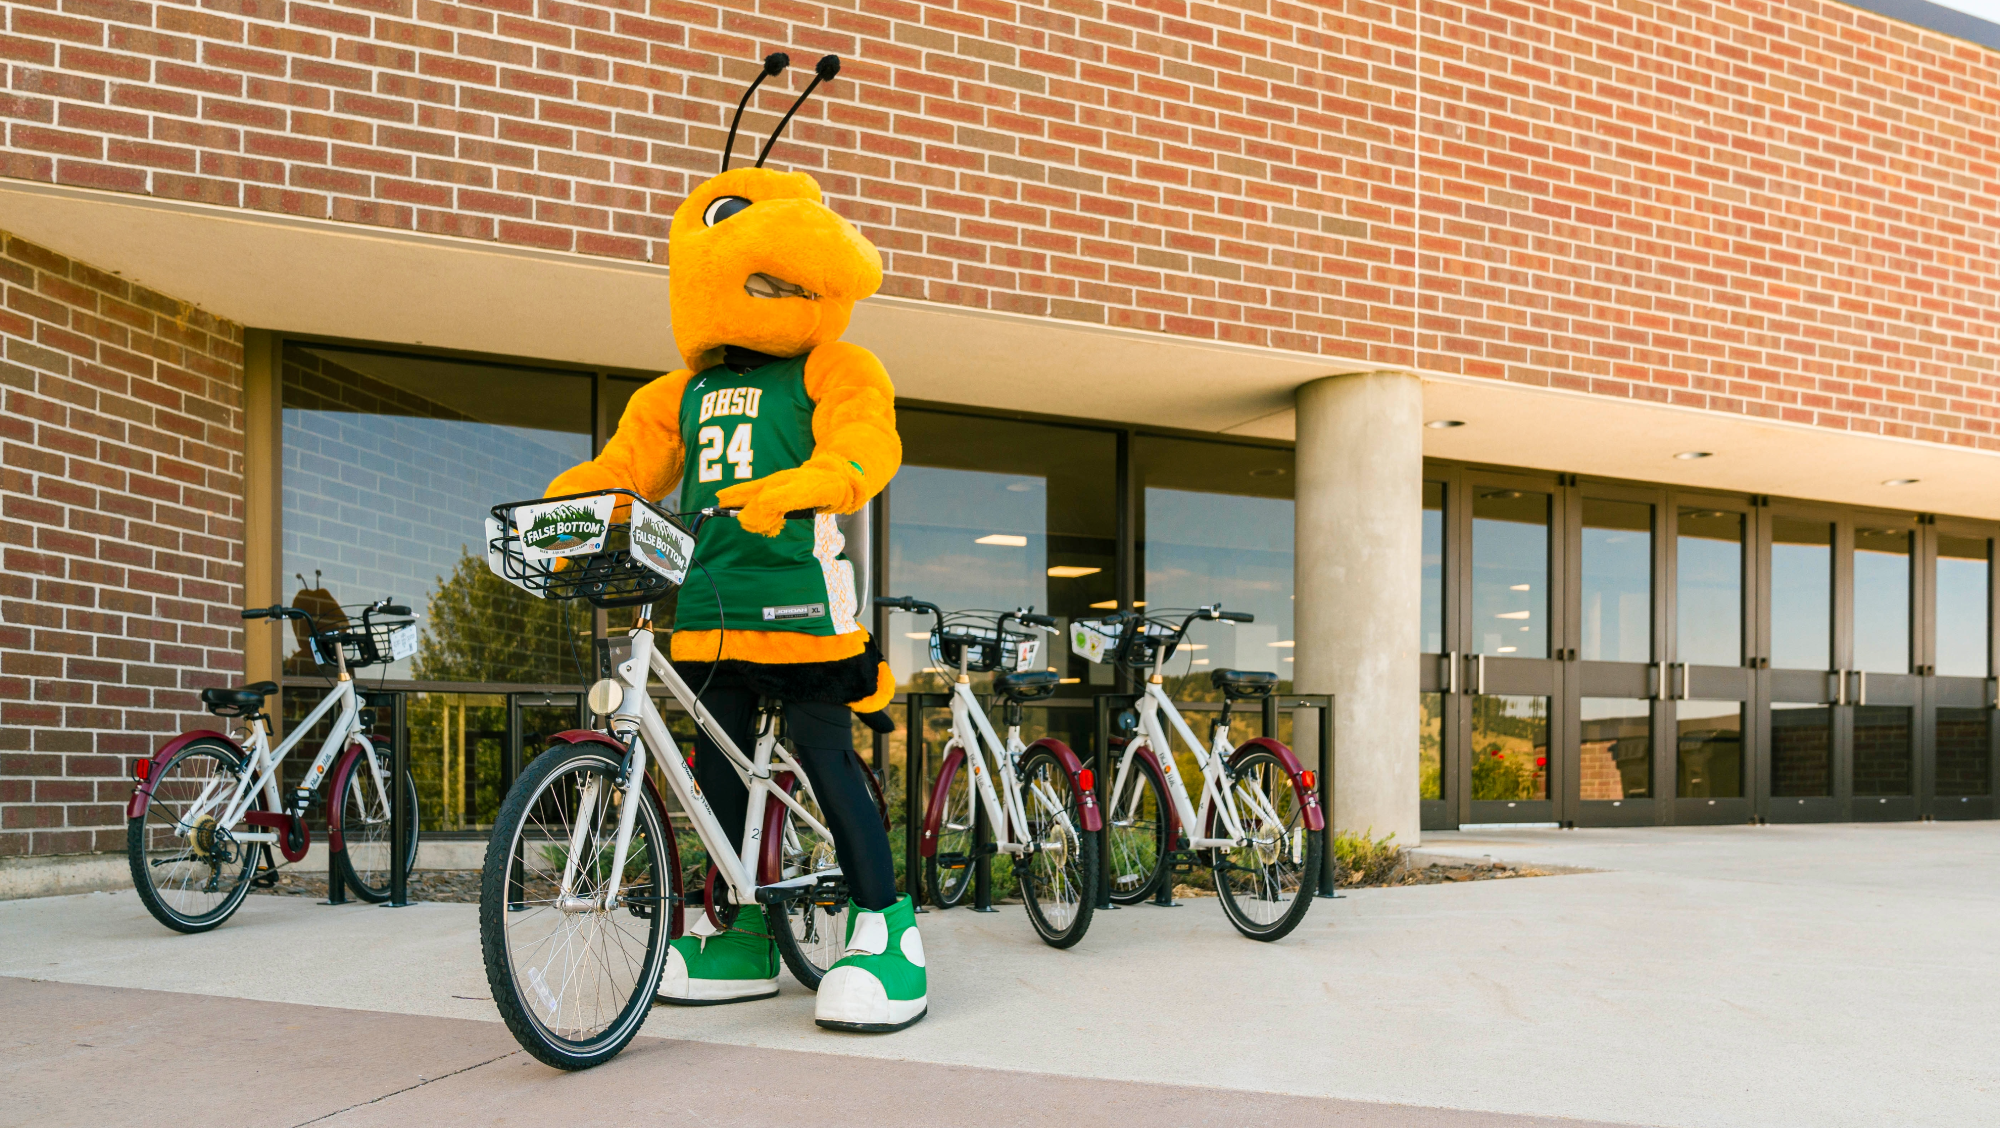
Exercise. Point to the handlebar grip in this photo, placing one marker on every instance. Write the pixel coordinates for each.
(1037, 620)
(395, 609)
(1236, 616)
(899, 602)
(257, 612)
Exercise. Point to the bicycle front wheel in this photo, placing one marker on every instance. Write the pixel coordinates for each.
(948, 871)
(1266, 885)
(811, 929)
(1135, 834)
(188, 869)
(364, 828)
(573, 969)
(1059, 872)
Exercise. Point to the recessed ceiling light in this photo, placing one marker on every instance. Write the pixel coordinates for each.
(1072, 571)
(1444, 424)
(1691, 455)
(1008, 539)
(1902, 481)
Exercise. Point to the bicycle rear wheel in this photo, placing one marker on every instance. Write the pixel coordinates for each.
(811, 929)
(1135, 833)
(574, 975)
(1059, 874)
(1266, 886)
(948, 871)
(190, 873)
(364, 828)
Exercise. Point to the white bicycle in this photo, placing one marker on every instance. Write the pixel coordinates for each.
(207, 805)
(583, 885)
(1044, 814)
(1258, 824)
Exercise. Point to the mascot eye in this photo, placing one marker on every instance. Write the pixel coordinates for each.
(722, 209)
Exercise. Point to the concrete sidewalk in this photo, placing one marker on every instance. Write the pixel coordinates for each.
(1726, 976)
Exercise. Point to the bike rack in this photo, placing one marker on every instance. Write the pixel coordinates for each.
(1322, 703)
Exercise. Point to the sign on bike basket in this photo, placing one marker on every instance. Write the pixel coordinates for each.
(572, 548)
(985, 649)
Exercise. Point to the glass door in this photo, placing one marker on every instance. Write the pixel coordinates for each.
(1512, 705)
(1612, 755)
(1885, 692)
(1708, 681)
(1961, 691)
(1796, 666)
(1438, 667)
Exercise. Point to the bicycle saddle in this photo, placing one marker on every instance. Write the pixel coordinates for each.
(1027, 685)
(233, 702)
(1239, 684)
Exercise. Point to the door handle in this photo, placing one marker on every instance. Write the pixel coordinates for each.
(1861, 679)
(1451, 671)
(1840, 687)
(1660, 687)
(1479, 674)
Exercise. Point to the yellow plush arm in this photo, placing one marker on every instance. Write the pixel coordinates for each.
(855, 446)
(645, 454)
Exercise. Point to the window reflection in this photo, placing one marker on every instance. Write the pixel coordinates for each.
(996, 513)
(1510, 747)
(1217, 528)
(1801, 594)
(1510, 572)
(1430, 746)
(390, 465)
(1708, 757)
(1617, 596)
(1430, 632)
(1882, 558)
(1617, 749)
(1708, 587)
(1801, 750)
(1963, 588)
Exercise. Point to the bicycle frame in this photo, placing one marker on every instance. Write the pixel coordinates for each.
(639, 722)
(229, 805)
(1217, 796)
(973, 733)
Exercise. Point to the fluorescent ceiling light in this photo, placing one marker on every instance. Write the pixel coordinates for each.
(1194, 646)
(916, 634)
(1072, 571)
(1507, 650)
(1514, 615)
(1287, 642)
(1008, 539)
(1112, 605)
(1519, 587)
(1068, 681)
(1200, 661)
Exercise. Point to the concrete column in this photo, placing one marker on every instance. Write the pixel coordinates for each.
(1359, 540)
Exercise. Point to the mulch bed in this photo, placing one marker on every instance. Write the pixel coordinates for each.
(455, 886)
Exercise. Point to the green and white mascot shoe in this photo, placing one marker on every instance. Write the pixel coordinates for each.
(705, 968)
(879, 984)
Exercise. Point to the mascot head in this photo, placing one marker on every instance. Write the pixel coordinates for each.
(756, 260)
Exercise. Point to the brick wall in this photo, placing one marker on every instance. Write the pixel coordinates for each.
(121, 512)
(1775, 209)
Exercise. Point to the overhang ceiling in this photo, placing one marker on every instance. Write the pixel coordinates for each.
(394, 287)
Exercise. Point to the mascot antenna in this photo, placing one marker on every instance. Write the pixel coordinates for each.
(775, 63)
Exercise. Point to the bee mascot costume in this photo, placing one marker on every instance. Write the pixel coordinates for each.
(774, 413)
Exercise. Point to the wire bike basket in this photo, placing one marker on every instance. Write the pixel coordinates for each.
(983, 649)
(571, 547)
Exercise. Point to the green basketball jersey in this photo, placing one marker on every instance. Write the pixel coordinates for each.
(740, 428)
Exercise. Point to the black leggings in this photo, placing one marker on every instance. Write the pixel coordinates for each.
(824, 745)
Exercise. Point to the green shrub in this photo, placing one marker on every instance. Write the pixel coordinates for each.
(1364, 859)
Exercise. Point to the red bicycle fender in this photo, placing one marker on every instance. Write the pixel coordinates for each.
(284, 823)
(142, 794)
(588, 736)
(934, 810)
(774, 822)
(335, 837)
(1093, 820)
(1315, 818)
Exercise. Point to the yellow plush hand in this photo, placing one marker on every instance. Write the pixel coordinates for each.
(766, 501)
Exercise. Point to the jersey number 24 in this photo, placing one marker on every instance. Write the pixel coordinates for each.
(709, 468)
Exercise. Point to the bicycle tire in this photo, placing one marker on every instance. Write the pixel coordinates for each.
(179, 781)
(536, 813)
(1137, 839)
(364, 864)
(811, 936)
(1282, 860)
(948, 884)
(1058, 880)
